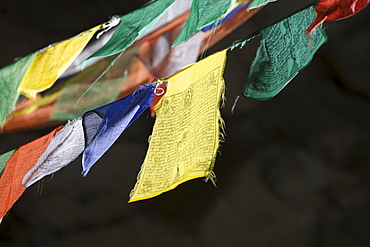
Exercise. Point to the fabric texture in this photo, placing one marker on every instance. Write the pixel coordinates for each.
(229, 15)
(51, 63)
(176, 9)
(96, 42)
(162, 60)
(203, 13)
(104, 125)
(4, 159)
(132, 26)
(283, 51)
(185, 136)
(83, 92)
(39, 113)
(10, 78)
(333, 10)
(259, 3)
(17, 166)
(65, 146)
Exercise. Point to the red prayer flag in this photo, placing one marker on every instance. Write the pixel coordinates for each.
(333, 10)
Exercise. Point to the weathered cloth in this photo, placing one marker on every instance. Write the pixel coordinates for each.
(49, 64)
(65, 146)
(10, 78)
(3, 159)
(17, 166)
(185, 136)
(284, 50)
(104, 125)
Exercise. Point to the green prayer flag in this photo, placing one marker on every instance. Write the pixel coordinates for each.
(202, 13)
(132, 26)
(259, 3)
(10, 77)
(284, 50)
(3, 159)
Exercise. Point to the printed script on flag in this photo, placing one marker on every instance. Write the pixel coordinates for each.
(185, 136)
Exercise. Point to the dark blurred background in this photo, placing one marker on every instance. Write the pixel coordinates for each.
(294, 170)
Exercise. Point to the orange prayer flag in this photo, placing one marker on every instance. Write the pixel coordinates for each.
(17, 166)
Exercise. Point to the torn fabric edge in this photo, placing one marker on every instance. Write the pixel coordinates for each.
(220, 127)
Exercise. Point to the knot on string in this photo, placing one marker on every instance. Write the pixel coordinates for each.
(114, 21)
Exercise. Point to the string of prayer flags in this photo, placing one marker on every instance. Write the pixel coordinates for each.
(65, 146)
(47, 107)
(81, 86)
(4, 159)
(17, 166)
(49, 64)
(186, 132)
(10, 78)
(203, 13)
(132, 26)
(333, 10)
(104, 125)
(284, 50)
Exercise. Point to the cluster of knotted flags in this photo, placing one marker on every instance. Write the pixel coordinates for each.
(123, 59)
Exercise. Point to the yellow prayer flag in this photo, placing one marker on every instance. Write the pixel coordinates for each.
(185, 136)
(52, 62)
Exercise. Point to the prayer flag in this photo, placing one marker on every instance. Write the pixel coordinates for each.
(132, 26)
(49, 64)
(333, 10)
(104, 125)
(229, 15)
(172, 13)
(185, 136)
(17, 166)
(80, 98)
(65, 146)
(202, 13)
(259, 3)
(10, 78)
(97, 42)
(3, 159)
(162, 60)
(283, 51)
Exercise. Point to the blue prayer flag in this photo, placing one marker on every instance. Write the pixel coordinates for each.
(103, 126)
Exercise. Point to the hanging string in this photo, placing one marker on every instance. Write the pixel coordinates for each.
(99, 77)
(214, 30)
(234, 105)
